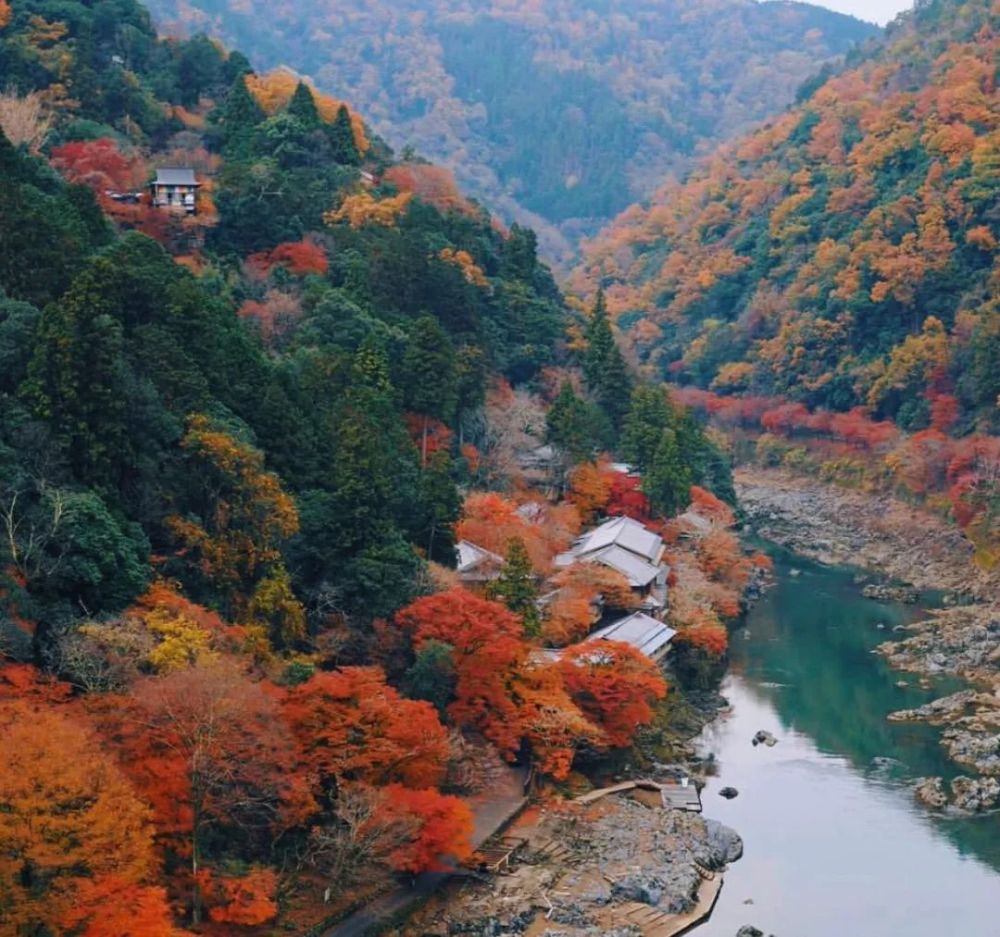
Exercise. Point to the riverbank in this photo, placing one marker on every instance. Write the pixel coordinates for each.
(904, 545)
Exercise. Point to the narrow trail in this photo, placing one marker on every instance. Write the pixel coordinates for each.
(491, 811)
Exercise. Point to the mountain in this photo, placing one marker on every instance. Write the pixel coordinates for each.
(556, 113)
(843, 256)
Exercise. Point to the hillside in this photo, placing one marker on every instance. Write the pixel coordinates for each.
(256, 380)
(557, 114)
(843, 256)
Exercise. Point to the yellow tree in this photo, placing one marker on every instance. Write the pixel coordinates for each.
(240, 513)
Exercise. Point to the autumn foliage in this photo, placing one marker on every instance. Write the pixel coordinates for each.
(614, 684)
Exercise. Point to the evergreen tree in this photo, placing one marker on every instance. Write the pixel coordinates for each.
(342, 142)
(303, 106)
(516, 587)
(648, 416)
(429, 379)
(441, 507)
(574, 426)
(241, 115)
(432, 675)
(667, 482)
(604, 367)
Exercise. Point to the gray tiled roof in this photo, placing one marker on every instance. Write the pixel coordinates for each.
(175, 177)
(644, 633)
(622, 532)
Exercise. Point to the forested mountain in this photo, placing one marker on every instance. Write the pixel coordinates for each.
(846, 254)
(556, 113)
(244, 412)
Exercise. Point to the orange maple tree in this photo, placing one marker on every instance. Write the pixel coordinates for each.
(352, 725)
(73, 833)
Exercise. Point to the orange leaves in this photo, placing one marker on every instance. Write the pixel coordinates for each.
(69, 815)
(463, 260)
(353, 725)
(111, 906)
(712, 638)
(432, 184)
(488, 653)
(363, 208)
(442, 828)
(615, 686)
(274, 91)
(249, 900)
(491, 521)
(5, 13)
(590, 488)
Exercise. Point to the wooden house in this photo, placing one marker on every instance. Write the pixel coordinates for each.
(175, 190)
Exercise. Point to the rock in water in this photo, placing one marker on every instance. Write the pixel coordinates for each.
(930, 792)
(729, 793)
(724, 844)
(763, 737)
(748, 930)
(975, 794)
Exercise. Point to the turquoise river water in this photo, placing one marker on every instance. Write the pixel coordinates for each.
(835, 845)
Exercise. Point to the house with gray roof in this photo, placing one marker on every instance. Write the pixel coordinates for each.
(646, 634)
(475, 564)
(175, 190)
(629, 548)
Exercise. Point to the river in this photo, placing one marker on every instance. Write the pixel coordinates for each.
(835, 845)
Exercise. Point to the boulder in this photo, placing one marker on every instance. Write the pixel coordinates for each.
(930, 792)
(748, 930)
(729, 793)
(763, 737)
(724, 844)
(975, 794)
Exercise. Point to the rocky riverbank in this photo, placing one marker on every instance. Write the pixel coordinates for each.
(908, 550)
(622, 865)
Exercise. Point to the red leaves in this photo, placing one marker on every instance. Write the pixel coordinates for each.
(111, 906)
(442, 828)
(249, 900)
(100, 165)
(614, 684)
(300, 258)
(351, 724)
(489, 651)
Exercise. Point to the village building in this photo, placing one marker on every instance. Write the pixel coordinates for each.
(476, 565)
(648, 635)
(175, 190)
(629, 548)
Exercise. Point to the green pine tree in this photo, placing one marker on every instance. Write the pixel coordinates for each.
(429, 381)
(516, 587)
(667, 482)
(342, 141)
(574, 426)
(303, 106)
(648, 416)
(604, 366)
(241, 115)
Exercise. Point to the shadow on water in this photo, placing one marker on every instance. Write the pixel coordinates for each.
(835, 843)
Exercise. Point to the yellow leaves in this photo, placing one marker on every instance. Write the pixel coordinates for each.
(463, 260)
(182, 641)
(913, 362)
(274, 91)
(363, 208)
(733, 377)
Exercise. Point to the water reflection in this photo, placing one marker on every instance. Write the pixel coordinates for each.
(834, 842)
